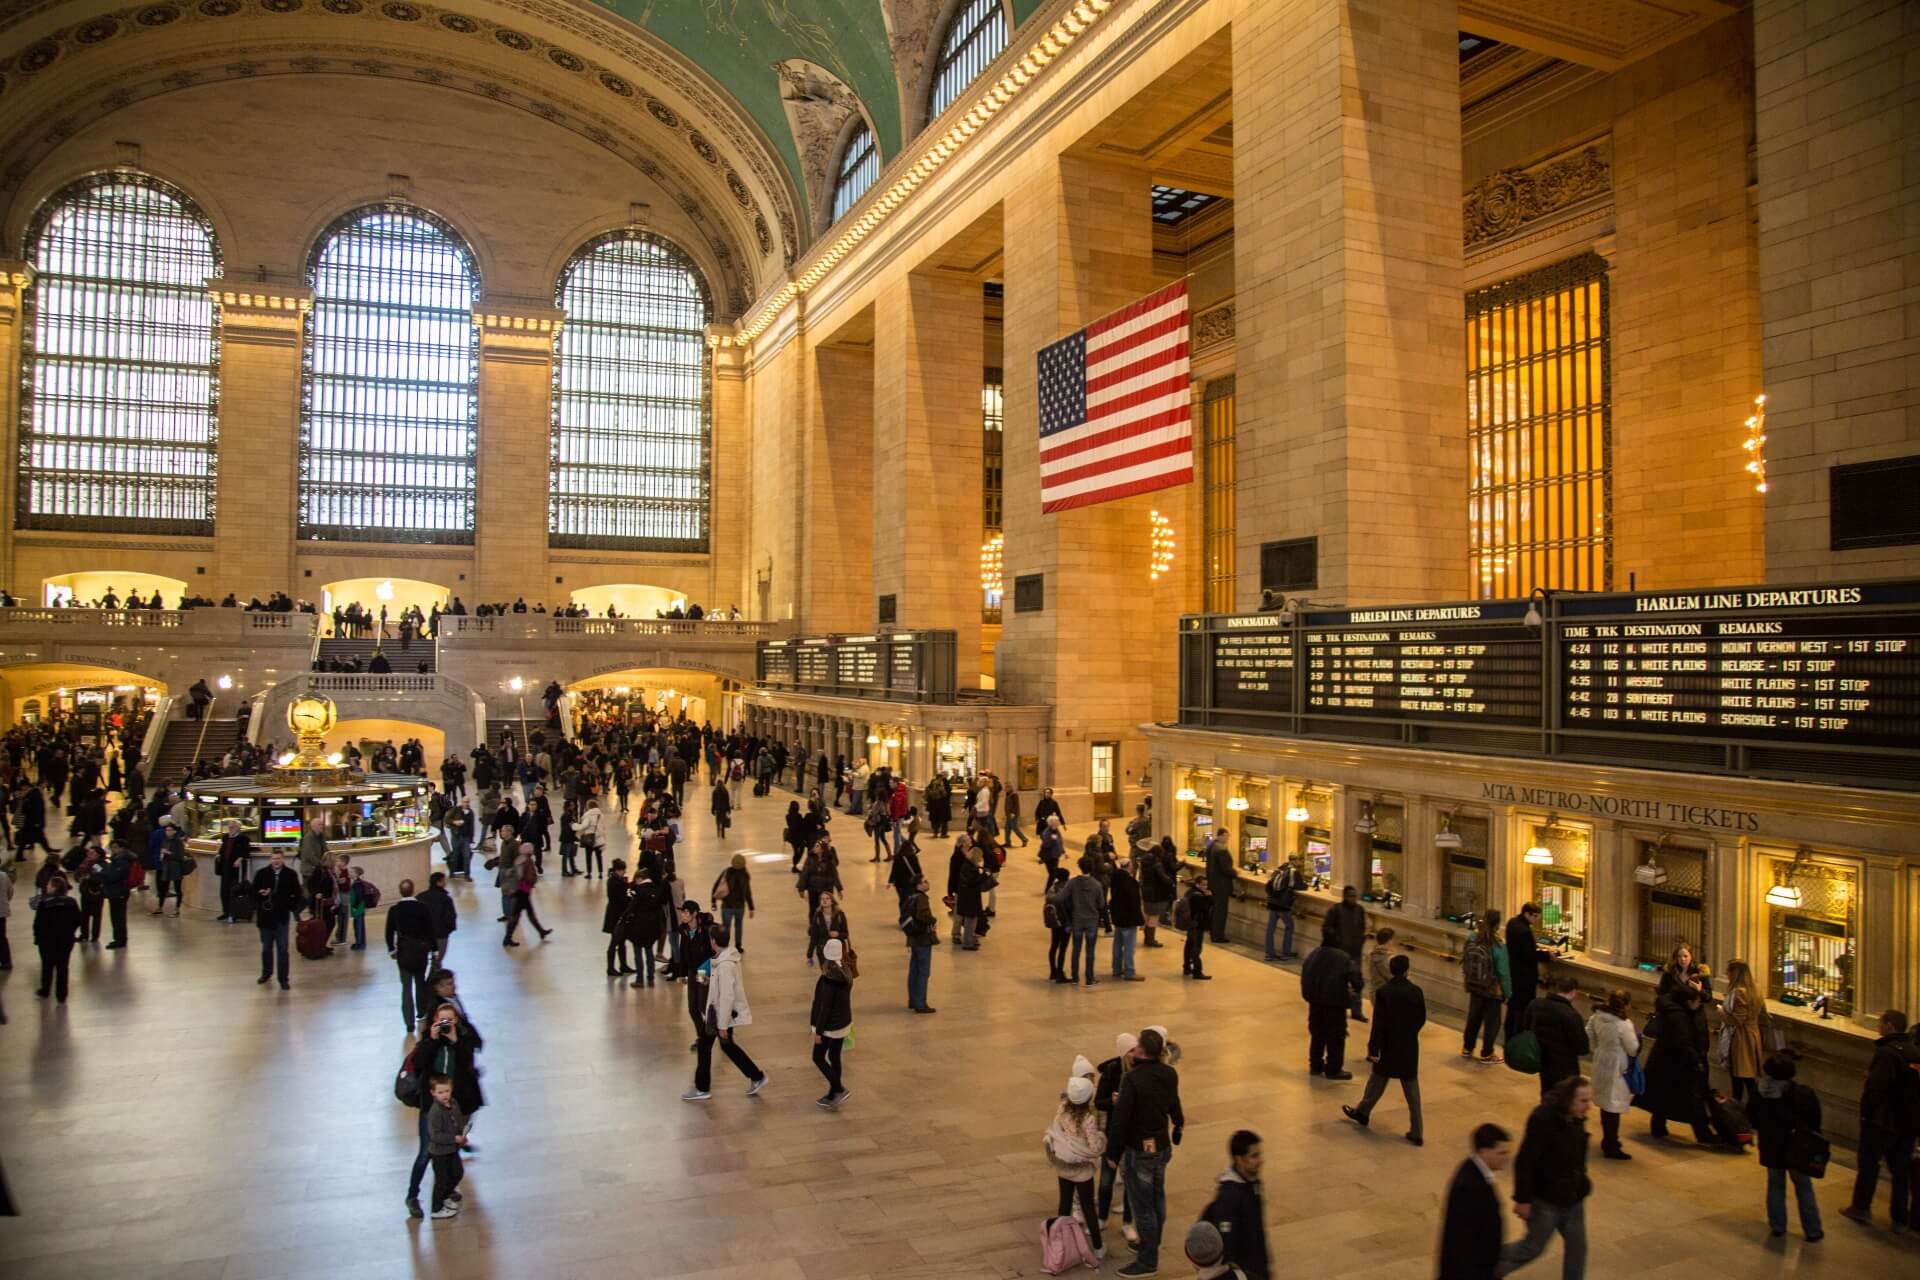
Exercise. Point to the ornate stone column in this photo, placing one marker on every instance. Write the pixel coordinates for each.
(730, 460)
(262, 329)
(16, 277)
(515, 448)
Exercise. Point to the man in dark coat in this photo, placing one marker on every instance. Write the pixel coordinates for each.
(410, 941)
(1473, 1229)
(1123, 906)
(1556, 1024)
(1887, 1119)
(1238, 1207)
(1523, 964)
(1399, 1011)
(1220, 883)
(1348, 920)
(1550, 1183)
(1328, 979)
(277, 899)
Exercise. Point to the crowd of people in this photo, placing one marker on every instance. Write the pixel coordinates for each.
(513, 803)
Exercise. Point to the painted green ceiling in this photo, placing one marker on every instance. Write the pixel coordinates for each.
(738, 41)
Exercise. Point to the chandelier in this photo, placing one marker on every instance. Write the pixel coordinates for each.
(992, 577)
(1161, 540)
(1756, 444)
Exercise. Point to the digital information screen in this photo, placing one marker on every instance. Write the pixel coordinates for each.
(813, 663)
(1474, 663)
(912, 666)
(1251, 664)
(1817, 664)
(860, 662)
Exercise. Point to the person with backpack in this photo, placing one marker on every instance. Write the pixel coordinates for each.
(1074, 1144)
(1786, 1122)
(1482, 972)
(1283, 888)
(1889, 1120)
(1080, 903)
(1550, 1183)
(1393, 1047)
(1328, 980)
(362, 896)
(1238, 1209)
(1562, 1037)
(1194, 914)
(447, 1048)
(410, 940)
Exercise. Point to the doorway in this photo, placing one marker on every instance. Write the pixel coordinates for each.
(1105, 779)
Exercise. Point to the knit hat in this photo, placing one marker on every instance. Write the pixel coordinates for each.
(1081, 1067)
(833, 950)
(1125, 1043)
(1080, 1091)
(1161, 1032)
(1204, 1245)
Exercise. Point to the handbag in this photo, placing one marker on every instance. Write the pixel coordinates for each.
(1808, 1152)
(1636, 1077)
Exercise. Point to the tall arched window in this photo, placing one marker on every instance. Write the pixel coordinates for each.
(117, 423)
(976, 36)
(859, 166)
(630, 398)
(392, 381)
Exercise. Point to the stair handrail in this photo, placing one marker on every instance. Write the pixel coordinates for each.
(156, 730)
(206, 718)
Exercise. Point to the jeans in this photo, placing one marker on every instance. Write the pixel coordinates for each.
(1123, 938)
(1377, 1087)
(360, 931)
(1013, 829)
(1273, 922)
(1877, 1145)
(1090, 937)
(1104, 1199)
(703, 1070)
(734, 921)
(1802, 1192)
(968, 924)
(1068, 1190)
(826, 1056)
(1327, 1037)
(919, 970)
(1545, 1219)
(420, 1160)
(1057, 954)
(117, 912)
(1483, 1019)
(273, 940)
(1147, 1193)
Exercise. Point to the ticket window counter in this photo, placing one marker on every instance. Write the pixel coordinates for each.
(1463, 871)
(1202, 820)
(1310, 825)
(1560, 885)
(957, 755)
(1386, 860)
(1255, 846)
(1813, 944)
(1671, 882)
(1315, 850)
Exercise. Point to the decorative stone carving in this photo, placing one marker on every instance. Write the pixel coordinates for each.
(1505, 203)
(1213, 327)
(910, 36)
(818, 105)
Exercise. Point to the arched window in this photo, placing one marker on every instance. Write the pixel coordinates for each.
(859, 166)
(630, 398)
(117, 416)
(392, 381)
(976, 36)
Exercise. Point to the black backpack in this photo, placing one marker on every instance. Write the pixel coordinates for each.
(1280, 890)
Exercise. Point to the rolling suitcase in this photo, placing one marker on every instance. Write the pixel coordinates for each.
(1728, 1121)
(310, 936)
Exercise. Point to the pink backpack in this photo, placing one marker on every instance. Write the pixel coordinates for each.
(1063, 1245)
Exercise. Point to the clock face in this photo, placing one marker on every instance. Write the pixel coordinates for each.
(310, 715)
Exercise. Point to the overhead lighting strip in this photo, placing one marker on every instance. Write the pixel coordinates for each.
(1055, 41)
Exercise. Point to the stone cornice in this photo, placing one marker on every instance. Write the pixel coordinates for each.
(515, 330)
(261, 314)
(1517, 201)
(15, 277)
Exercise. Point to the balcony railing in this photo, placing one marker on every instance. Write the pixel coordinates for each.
(543, 626)
(392, 682)
(211, 623)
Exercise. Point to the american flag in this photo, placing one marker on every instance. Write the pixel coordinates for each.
(1115, 408)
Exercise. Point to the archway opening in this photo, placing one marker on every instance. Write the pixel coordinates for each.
(369, 733)
(90, 589)
(397, 594)
(630, 599)
(102, 702)
(625, 695)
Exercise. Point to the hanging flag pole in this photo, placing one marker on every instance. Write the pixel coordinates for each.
(1116, 407)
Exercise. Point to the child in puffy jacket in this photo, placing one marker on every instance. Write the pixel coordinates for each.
(1074, 1144)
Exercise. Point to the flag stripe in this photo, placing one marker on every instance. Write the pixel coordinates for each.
(1052, 453)
(1136, 454)
(1134, 310)
(1139, 334)
(1146, 397)
(1119, 485)
(1159, 349)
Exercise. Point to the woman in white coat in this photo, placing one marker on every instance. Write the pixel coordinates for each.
(586, 829)
(1615, 1043)
(727, 1010)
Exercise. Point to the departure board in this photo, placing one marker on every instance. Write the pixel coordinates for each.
(859, 661)
(1251, 659)
(1818, 664)
(905, 663)
(776, 663)
(813, 663)
(1473, 663)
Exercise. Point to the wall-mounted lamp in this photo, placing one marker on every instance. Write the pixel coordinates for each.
(1300, 812)
(1446, 837)
(1538, 855)
(1651, 872)
(1365, 825)
(1787, 893)
(1237, 803)
(1186, 793)
(1535, 598)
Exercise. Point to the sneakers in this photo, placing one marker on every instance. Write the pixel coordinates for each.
(756, 1086)
(1137, 1268)
(841, 1097)
(695, 1095)
(446, 1211)
(832, 1101)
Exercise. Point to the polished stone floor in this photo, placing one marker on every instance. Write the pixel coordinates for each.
(176, 1120)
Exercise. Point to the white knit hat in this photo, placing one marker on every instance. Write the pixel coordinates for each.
(1125, 1043)
(1080, 1091)
(833, 950)
(1081, 1067)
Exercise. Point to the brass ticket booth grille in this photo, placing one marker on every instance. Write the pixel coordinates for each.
(1812, 914)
